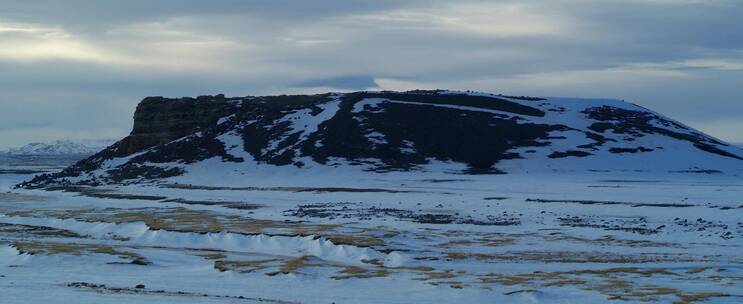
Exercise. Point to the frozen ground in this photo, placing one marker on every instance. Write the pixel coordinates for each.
(453, 238)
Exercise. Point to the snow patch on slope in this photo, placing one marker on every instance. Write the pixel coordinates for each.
(304, 123)
(235, 145)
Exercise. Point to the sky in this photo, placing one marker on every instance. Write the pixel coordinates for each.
(77, 69)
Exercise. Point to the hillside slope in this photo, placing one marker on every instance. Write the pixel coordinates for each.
(427, 132)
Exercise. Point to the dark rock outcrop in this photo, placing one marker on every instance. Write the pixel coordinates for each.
(159, 120)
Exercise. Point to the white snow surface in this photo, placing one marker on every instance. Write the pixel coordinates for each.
(667, 233)
(60, 147)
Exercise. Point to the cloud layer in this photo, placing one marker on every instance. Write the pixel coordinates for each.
(76, 69)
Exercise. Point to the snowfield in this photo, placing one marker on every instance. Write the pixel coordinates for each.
(393, 238)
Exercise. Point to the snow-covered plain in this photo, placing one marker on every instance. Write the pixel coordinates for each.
(322, 237)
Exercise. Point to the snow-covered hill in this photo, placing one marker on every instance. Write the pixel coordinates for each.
(429, 133)
(453, 197)
(61, 147)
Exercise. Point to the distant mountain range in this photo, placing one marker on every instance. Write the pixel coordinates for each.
(234, 140)
(61, 147)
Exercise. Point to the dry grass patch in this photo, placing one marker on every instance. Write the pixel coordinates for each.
(518, 279)
(697, 270)
(646, 272)
(358, 241)
(212, 256)
(571, 257)
(698, 297)
(438, 275)
(295, 264)
(452, 284)
(609, 240)
(184, 220)
(616, 283)
(51, 248)
(243, 266)
(390, 234)
(39, 231)
(17, 197)
(355, 272)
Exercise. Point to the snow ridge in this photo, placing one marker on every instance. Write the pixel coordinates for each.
(60, 147)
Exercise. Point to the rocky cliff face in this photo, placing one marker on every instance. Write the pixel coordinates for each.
(397, 131)
(159, 120)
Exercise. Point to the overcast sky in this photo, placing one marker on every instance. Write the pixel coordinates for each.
(76, 69)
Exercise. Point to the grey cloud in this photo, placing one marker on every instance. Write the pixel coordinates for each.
(100, 15)
(643, 51)
(349, 82)
(700, 25)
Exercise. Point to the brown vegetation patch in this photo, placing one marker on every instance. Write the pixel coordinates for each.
(212, 256)
(19, 198)
(355, 272)
(616, 283)
(358, 241)
(51, 248)
(37, 231)
(184, 220)
(243, 266)
(572, 257)
(609, 240)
